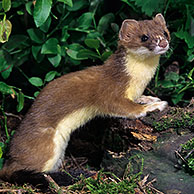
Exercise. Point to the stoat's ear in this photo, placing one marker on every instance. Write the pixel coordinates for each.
(160, 18)
(127, 29)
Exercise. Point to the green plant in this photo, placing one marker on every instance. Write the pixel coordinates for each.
(107, 182)
(187, 152)
(177, 119)
(180, 19)
(60, 35)
(5, 25)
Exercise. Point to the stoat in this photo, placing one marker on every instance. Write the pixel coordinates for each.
(113, 89)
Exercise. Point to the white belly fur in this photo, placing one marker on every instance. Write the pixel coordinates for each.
(63, 131)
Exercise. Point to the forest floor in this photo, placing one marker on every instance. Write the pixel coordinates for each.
(143, 155)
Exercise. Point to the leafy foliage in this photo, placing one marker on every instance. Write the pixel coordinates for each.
(107, 182)
(59, 36)
(187, 152)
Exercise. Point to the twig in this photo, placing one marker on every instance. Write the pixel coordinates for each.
(177, 153)
(76, 163)
(151, 92)
(13, 115)
(53, 185)
(156, 190)
(189, 153)
(12, 190)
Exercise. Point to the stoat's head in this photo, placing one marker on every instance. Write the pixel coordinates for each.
(147, 37)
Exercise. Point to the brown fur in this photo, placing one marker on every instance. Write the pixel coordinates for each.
(102, 87)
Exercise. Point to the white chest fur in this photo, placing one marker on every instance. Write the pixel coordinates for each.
(141, 70)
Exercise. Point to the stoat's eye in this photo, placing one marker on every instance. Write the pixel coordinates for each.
(165, 34)
(144, 38)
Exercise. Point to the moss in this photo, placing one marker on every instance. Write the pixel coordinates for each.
(177, 119)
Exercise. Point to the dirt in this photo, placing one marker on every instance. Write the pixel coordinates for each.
(109, 143)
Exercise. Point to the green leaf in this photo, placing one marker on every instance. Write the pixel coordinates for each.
(36, 35)
(115, 27)
(94, 5)
(20, 100)
(29, 7)
(191, 74)
(68, 2)
(167, 84)
(5, 30)
(16, 41)
(1, 153)
(150, 6)
(36, 81)
(55, 60)
(45, 27)
(50, 76)
(65, 35)
(50, 46)
(104, 22)
(42, 11)
(77, 5)
(86, 53)
(184, 35)
(176, 98)
(5, 74)
(73, 50)
(37, 54)
(5, 89)
(92, 43)
(85, 20)
(105, 55)
(6, 5)
(36, 93)
(73, 54)
(172, 76)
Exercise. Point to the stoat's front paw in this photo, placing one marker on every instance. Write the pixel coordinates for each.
(147, 99)
(161, 105)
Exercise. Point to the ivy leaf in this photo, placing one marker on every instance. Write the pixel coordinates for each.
(85, 20)
(50, 46)
(36, 35)
(5, 30)
(42, 11)
(92, 43)
(5, 74)
(55, 60)
(36, 81)
(50, 76)
(5, 89)
(20, 100)
(68, 2)
(45, 27)
(36, 52)
(86, 53)
(6, 5)
(77, 5)
(104, 22)
(29, 7)
(105, 55)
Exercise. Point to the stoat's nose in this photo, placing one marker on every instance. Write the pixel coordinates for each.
(163, 43)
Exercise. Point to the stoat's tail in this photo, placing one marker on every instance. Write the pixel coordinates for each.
(11, 174)
(6, 173)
